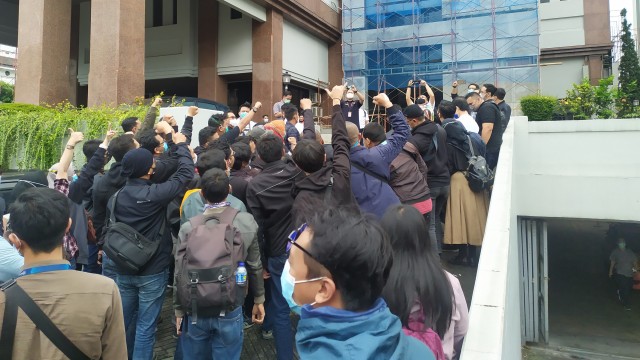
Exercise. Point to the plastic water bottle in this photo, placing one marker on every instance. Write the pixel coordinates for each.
(241, 274)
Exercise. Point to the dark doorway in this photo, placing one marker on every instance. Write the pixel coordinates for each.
(239, 93)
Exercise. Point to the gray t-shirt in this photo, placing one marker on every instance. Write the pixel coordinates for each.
(625, 260)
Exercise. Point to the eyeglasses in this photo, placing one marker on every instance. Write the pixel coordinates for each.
(295, 234)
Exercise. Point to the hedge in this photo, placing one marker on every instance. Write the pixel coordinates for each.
(538, 107)
(32, 137)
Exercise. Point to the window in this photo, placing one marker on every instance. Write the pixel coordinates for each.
(165, 12)
(235, 14)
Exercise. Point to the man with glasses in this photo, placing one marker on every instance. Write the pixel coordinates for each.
(338, 265)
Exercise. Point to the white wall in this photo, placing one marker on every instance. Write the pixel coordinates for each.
(587, 169)
(304, 56)
(561, 23)
(584, 169)
(558, 75)
(235, 53)
(170, 51)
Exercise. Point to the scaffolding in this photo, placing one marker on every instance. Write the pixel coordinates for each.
(386, 43)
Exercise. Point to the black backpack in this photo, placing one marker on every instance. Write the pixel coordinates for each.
(479, 175)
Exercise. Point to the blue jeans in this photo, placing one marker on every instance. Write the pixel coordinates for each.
(144, 294)
(92, 266)
(278, 307)
(213, 337)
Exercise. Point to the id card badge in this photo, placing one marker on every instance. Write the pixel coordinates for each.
(349, 114)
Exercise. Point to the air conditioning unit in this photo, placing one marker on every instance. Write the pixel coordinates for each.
(316, 98)
(317, 111)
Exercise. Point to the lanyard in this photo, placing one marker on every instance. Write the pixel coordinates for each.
(45, 268)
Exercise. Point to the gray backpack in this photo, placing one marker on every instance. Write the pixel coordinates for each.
(206, 262)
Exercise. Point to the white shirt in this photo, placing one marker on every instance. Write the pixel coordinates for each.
(469, 124)
(364, 118)
(300, 127)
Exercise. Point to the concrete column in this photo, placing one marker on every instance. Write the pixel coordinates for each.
(267, 60)
(44, 30)
(210, 85)
(336, 74)
(116, 72)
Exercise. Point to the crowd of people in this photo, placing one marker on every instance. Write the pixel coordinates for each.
(259, 220)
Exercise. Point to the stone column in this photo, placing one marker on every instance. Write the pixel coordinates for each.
(116, 72)
(267, 60)
(210, 85)
(44, 30)
(335, 76)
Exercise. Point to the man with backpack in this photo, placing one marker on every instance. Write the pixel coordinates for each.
(218, 254)
(138, 239)
(489, 119)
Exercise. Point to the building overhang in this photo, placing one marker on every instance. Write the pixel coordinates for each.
(574, 51)
(325, 25)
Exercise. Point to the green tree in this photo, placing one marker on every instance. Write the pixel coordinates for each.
(6, 92)
(629, 70)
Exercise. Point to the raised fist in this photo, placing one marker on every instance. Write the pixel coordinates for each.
(382, 100)
(305, 104)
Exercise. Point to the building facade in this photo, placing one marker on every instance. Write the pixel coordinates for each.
(575, 43)
(112, 51)
(387, 43)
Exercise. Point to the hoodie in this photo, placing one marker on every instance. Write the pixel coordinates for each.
(430, 139)
(330, 333)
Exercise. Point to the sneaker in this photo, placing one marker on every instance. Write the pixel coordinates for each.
(627, 308)
(247, 322)
(267, 335)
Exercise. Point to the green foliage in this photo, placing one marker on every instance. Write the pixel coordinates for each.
(586, 101)
(538, 107)
(33, 136)
(629, 71)
(6, 92)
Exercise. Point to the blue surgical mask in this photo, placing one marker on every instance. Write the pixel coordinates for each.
(166, 147)
(286, 101)
(243, 114)
(288, 283)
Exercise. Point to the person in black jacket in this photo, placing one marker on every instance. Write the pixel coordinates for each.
(104, 188)
(430, 139)
(270, 201)
(310, 191)
(142, 205)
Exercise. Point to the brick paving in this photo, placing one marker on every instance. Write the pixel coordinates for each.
(254, 346)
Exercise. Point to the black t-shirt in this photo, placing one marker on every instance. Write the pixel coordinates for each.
(351, 108)
(488, 113)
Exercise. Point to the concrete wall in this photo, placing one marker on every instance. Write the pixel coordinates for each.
(585, 169)
(170, 51)
(558, 75)
(561, 23)
(579, 169)
(304, 56)
(234, 43)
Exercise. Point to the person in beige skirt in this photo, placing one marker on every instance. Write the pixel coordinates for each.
(466, 213)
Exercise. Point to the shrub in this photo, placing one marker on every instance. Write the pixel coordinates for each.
(586, 101)
(7, 92)
(538, 107)
(32, 137)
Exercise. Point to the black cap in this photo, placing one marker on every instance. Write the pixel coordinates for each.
(413, 111)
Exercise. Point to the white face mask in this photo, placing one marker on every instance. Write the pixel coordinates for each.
(234, 122)
(469, 91)
(349, 96)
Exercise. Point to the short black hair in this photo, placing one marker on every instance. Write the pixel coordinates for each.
(215, 185)
(309, 155)
(226, 115)
(222, 146)
(246, 104)
(148, 140)
(216, 120)
(474, 84)
(358, 268)
(90, 147)
(40, 217)
(205, 134)
(211, 159)
(290, 111)
(287, 93)
(461, 103)
(129, 123)
(120, 145)
(242, 153)
(472, 95)
(270, 148)
(374, 132)
(500, 93)
(447, 109)
(491, 89)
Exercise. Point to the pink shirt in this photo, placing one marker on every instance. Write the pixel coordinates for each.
(453, 338)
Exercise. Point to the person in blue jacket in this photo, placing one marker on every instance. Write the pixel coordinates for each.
(370, 167)
(338, 265)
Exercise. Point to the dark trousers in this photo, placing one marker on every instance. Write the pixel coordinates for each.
(624, 285)
(439, 196)
(492, 159)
